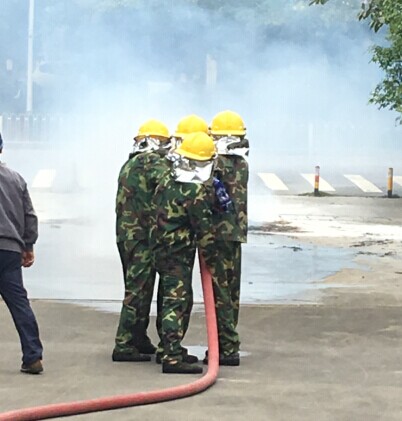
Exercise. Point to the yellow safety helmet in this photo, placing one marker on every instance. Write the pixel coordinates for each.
(227, 123)
(198, 146)
(152, 128)
(190, 124)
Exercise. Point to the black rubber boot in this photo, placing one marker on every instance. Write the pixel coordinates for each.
(133, 356)
(146, 348)
(141, 341)
(180, 368)
(232, 360)
(205, 360)
(186, 358)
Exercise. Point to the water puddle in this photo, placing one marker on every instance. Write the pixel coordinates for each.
(276, 269)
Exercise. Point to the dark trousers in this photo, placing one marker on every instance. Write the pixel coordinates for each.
(15, 296)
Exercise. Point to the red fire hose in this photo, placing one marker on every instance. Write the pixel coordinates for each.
(141, 398)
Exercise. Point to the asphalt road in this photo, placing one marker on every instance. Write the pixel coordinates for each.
(328, 352)
(352, 172)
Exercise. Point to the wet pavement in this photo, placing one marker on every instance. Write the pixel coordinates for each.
(77, 257)
(304, 362)
(281, 269)
(322, 354)
(79, 262)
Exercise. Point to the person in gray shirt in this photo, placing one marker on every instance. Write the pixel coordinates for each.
(18, 234)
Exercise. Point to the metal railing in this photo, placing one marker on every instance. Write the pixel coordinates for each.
(298, 137)
(30, 128)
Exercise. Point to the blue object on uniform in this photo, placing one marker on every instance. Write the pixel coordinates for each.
(222, 196)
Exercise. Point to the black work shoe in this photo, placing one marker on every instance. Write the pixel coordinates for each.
(34, 368)
(133, 355)
(190, 359)
(180, 368)
(228, 360)
(146, 348)
(231, 360)
(187, 358)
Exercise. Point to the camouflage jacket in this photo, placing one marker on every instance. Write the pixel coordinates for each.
(232, 170)
(138, 179)
(182, 211)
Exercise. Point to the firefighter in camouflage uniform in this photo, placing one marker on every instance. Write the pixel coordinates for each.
(136, 184)
(187, 125)
(183, 213)
(230, 226)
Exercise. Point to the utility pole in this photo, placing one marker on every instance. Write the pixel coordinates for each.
(30, 55)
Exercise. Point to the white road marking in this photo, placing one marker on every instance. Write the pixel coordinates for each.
(272, 181)
(43, 179)
(362, 183)
(398, 179)
(323, 186)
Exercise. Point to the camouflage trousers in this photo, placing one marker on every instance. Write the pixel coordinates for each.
(174, 263)
(220, 263)
(139, 280)
(187, 314)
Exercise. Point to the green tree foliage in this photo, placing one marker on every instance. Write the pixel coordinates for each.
(386, 14)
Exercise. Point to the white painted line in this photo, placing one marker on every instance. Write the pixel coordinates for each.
(362, 183)
(272, 181)
(43, 179)
(324, 185)
(398, 179)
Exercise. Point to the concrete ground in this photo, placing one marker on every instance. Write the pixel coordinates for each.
(334, 355)
(338, 360)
